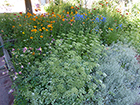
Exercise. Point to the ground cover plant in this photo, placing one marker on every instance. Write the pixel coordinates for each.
(57, 56)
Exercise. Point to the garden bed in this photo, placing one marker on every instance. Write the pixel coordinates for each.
(77, 56)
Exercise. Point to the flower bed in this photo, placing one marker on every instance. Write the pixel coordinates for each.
(58, 57)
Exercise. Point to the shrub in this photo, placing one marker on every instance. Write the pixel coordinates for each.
(62, 77)
(123, 75)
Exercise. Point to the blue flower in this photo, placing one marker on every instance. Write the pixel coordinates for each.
(79, 17)
(116, 27)
(97, 19)
(120, 25)
(104, 19)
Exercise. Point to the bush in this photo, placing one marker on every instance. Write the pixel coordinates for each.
(62, 77)
(123, 75)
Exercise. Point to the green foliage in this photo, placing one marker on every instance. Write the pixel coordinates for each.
(122, 75)
(63, 77)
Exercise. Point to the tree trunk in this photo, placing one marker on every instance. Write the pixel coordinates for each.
(28, 6)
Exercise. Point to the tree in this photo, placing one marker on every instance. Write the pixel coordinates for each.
(28, 6)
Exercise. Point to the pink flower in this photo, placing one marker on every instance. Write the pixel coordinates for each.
(20, 72)
(68, 15)
(13, 49)
(16, 73)
(40, 49)
(24, 49)
(29, 63)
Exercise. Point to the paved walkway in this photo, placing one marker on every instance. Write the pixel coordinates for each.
(5, 86)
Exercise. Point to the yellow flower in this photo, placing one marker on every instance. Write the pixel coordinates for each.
(19, 24)
(23, 32)
(31, 37)
(71, 12)
(67, 12)
(101, 18)
(40, 29)
(111, 29)
(138, 12)
(43, 28)
(76, 12)
(41, 24)
(46, 29)
(49, 26)
(2, 31)
(41, 36)
(51, 29)
(35, 26)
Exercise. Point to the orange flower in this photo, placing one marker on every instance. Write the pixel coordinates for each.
(33, 53)
(71, 20)
(67, 12)
(36, 10)
(71, 12)
(51, 29)
(34, 19)
(19, 24)
(13, 26)
(72, 7)
(49, 25)
(31, 37)
(83, 22)
(63, 20)
(111, 29)
(46, 29)
(43, 28)
(39, 9)
(41, 36)
(40, 29)
(35, 26)
(32, 30)
(35, 30)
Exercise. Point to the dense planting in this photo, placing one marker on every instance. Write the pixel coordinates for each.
(67, 57)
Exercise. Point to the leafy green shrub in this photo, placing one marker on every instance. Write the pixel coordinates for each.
(123, 75)
(63, 77)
